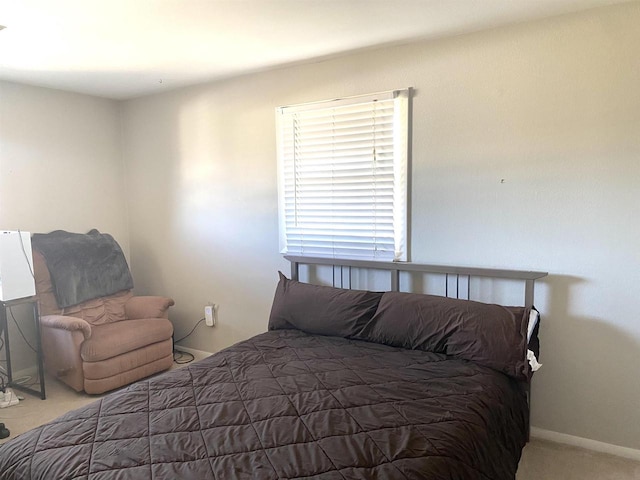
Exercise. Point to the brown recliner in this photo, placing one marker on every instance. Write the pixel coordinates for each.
(105, 343)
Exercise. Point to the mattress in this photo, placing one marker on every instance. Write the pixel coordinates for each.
(290, 405)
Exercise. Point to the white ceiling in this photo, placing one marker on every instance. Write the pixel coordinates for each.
(126, 48)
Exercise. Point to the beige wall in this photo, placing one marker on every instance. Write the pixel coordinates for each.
(551, 107)
(60, 168)
(60, 162)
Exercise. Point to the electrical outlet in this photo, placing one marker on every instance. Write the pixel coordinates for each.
(210, 314)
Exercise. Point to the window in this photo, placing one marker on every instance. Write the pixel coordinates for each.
(342, 168)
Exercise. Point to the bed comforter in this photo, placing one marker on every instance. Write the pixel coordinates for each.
(287, 404)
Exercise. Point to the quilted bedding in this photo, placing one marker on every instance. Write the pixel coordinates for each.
(287, 404)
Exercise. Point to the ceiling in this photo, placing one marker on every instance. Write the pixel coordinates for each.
(125, 48)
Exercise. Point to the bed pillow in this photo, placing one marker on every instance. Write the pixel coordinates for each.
(489, 335)
(321, 310)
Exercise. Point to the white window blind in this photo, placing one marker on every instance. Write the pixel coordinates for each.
(343, 177)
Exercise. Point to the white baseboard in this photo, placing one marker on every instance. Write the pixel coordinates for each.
(193, 351)
(27, 372)
(586, 443)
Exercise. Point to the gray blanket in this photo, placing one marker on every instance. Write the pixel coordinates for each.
(83, 266)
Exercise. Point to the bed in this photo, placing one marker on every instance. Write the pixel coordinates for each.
(346, 384)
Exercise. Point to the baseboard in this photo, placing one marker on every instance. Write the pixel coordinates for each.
(26, 372)
(586, 443)
(193, 351)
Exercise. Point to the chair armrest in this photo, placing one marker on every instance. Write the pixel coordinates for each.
(148, 307)
(66, 323)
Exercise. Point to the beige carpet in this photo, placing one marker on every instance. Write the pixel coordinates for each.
(541, 460)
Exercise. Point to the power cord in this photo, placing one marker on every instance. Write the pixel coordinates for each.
(192, 330)
(180, 357)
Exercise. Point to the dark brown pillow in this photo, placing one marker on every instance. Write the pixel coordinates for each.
(490, 335)
(321, 310)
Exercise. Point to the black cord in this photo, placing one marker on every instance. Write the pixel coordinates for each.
(192, 330)
(20, 330)
(178, 357)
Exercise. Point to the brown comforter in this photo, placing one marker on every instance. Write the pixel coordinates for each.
(287, 404)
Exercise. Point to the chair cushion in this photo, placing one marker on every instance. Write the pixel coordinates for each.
(114, 366)
(116, 338)
(101, 385)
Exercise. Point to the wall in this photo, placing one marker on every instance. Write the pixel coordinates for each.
(526, 144)
(60, 168)
(60, 162)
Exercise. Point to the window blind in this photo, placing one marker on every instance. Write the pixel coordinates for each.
(343, 177)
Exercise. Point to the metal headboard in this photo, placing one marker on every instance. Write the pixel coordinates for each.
(395, 268)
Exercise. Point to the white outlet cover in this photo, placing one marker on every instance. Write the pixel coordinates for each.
(209, 315)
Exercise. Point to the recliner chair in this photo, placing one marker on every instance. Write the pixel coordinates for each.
(103, 343)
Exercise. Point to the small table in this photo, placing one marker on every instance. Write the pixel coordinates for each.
(4, 329)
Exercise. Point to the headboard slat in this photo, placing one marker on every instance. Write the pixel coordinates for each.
(528, 277)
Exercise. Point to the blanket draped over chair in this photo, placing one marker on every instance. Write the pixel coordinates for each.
(83, 266)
